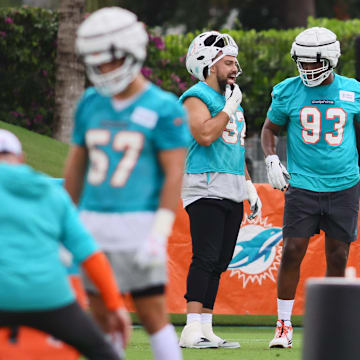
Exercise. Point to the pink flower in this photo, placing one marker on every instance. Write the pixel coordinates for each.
(175, 77)
(158, 82)
(44, 73)
(9, 20)
(159, 43)
(15, 113)
(38, 118)
(146, 71)
(182, 86)
(2, 34)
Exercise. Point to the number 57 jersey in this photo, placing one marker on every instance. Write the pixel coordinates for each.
(123, 141)
(321, 143)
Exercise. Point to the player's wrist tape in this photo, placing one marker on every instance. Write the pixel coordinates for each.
(251, 188)
(163, 222)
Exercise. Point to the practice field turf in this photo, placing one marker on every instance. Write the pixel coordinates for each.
(254, 345)
(42, 152)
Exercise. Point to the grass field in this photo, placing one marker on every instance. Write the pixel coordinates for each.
(42, 153)
(254, 345)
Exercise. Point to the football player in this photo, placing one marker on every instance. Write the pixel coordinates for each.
(37, 218)
(216, 181)
(318, 108)
(125, 167)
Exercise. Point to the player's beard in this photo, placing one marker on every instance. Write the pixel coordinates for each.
(223, 81)
(222, 84)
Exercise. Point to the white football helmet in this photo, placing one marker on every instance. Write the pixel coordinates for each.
(316, 44)
(108, 34)
(203, 50)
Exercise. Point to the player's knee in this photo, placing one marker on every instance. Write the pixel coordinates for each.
(292, 255)
(336, 261)
(207, 264)
(220, 268)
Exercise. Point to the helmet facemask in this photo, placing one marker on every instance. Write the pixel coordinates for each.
(115, 81)
(316, 76)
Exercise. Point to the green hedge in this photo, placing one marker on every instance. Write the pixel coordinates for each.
(264, 57)
(27, 67)
(28, 50)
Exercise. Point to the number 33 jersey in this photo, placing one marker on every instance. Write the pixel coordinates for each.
(124, 173)
(321, 143)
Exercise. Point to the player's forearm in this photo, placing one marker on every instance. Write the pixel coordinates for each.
(247, 175)
(170, 194)
(172, 163)
(268, 141)
(75, 169)
(73, 184)
(211, 129)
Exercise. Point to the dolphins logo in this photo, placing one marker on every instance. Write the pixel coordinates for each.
(260, 246)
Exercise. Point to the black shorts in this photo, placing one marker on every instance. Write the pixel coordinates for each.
(336, 213)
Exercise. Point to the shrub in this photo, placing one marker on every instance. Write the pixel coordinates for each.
(27, 67)
(28, 51)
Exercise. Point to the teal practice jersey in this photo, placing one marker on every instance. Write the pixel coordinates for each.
(227, 153)
(321, 144)
(124, 172)
(36, 216)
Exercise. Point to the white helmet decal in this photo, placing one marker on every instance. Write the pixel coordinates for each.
(203, 50)
(316, 44)
(108, 34)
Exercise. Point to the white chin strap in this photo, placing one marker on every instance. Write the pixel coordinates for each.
(314, 77)
(227, 51)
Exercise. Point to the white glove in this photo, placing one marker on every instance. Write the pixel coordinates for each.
(233, 97)
(277, 174)
(254, 200)
(152, 253)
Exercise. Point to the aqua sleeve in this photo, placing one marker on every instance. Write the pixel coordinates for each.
(277, 112)
(172, 130)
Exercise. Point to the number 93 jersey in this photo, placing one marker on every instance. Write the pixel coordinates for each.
(124, 173)
(321, 143)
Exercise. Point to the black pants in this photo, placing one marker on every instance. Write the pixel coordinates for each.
(214, 227)
(69, 324)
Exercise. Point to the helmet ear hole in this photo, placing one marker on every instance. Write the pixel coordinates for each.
(201, 57)
(205, 72)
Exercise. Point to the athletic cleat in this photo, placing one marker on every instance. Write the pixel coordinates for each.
(209, 334)
(192, 337)
(283, 336)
